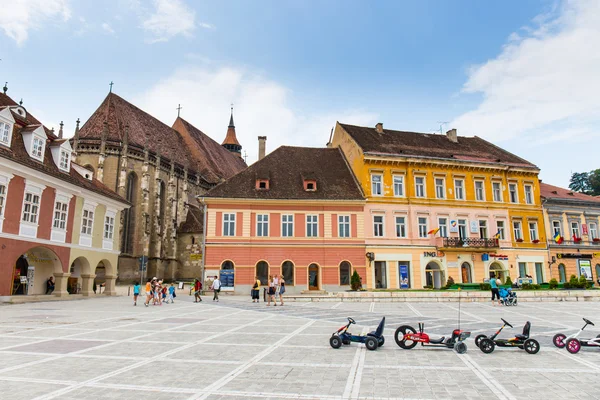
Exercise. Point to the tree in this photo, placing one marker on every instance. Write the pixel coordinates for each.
(594, 182)
(355, 282)
(580, 182)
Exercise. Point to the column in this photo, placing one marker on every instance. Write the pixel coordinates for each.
(60, 286)
(87, 283)
(109, 288)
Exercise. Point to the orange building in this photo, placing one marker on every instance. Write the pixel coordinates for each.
(297, 212)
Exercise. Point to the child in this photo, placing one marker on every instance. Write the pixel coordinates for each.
(149, 294)
(136, 292)
(171, 293)
(164, 294)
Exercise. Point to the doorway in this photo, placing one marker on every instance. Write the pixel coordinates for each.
(380, 275)
(313, 277)
(498, 271)
(539, 273)
(465, 270)
(434, 276)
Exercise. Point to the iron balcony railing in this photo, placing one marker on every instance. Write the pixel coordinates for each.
(471, 242)
(575, 243)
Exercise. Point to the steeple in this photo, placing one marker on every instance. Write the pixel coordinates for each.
(231, 143)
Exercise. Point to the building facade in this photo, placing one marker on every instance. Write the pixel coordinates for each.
(572, 221)
(297, 212)
(55, 218)
(441, 206)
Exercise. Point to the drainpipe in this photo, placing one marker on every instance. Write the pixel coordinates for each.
(204, 223)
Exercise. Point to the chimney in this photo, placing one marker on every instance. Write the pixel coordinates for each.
(452, 135)
(262, 144)
(379, 127)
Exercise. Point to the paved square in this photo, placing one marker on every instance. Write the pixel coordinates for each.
(105, 348)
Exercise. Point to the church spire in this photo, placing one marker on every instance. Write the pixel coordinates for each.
(231, 143)
(231, 124)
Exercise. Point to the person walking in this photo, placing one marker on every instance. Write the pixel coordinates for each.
(50, 285)
(171, 293)
(149, 294)
(281, 289)
(256, 290)
(197, 289)
(495, 291)
(136, 292)
(271, 291)
(216, 287)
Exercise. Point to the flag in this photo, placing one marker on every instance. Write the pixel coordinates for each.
(497, 235)
(558, 239)
(433, 231)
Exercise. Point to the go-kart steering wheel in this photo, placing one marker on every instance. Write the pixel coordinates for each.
(587, 321)
(351, 320)
(503, 320)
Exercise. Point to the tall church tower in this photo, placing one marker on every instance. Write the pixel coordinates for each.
(231, 143)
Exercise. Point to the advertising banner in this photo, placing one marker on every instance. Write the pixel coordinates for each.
(585, 269)
(404, 277)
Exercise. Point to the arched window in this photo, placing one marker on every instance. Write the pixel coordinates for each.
(262, 272)
(562, 274)
(287, 269)
(597, 271)
(227, 265)
(129, 214)
(345, 268)
(161, 204)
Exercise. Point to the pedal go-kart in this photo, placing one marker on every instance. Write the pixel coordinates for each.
(488, 344)
(372, 340)
(407, 337)
(573, 344)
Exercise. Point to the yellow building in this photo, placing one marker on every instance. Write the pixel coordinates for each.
(484, 201)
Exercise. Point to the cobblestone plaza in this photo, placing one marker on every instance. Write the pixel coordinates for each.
(105, 348)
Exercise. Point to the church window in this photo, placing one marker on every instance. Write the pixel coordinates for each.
(129, 214)
(161, 205)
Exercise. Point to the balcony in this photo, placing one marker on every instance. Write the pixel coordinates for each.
(471, 243)
(573, 243)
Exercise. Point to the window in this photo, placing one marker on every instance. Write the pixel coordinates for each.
(517, 230)
(522, 270)
(64, 160)
(533, 231)
(87, 222)
(528, 194)
(37, 149)
(512, 189)
(31, 207)
(462, 228)
(287, 225)
(575, 229)
(262, 184)
(479, 193)
(60, 215)
(419, 186)
(228, 224)
(483, 231)
(262, 225)
(2, 197)
(497, 190)
(109, 227)
(443, 225)
(161, 205)
(310, 186)
(376, 189)
(562, 273)
(312, 225)
(439, 188)
(378, 225)
(400, 227)
(539, 272)
(287, 270)
(127, 235)
(593, 231)
(459, 189)
(556, 228)
(398, 185)
(345, 273)
(500, 232)
(422, 227)
(344, 226)
(262, 272)
(5, 129)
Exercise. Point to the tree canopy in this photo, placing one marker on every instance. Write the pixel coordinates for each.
(586, 182)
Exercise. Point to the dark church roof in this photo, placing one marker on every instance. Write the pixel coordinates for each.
(194, 222)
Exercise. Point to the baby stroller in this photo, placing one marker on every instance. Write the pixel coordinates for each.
(508, 297)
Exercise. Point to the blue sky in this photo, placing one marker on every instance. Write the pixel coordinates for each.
(519, 73)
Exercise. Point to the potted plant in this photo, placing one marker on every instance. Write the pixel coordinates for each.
(519, 240)
(577, 239)
(536, 241)
(596, 240)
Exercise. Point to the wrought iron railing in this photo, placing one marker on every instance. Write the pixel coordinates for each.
(575, 243)
(471, 242)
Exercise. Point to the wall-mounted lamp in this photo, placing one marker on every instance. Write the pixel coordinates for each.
(370, 256)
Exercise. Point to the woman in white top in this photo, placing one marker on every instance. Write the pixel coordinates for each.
(281, 289)
(271, 291)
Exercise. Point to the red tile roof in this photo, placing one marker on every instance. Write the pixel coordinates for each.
(194, 222)
(414, 144)
(557, 193)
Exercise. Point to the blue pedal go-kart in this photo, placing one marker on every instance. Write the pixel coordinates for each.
(372, 340)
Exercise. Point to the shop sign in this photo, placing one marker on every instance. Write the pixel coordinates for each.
(195, 257)
(584, 229)
(403, 276)
(585, 269)
(474, 226)
(30, 277)
(453, 226)
(499, 257)
(433, 254)
(573, 255)
(596, 255)
(452, 264)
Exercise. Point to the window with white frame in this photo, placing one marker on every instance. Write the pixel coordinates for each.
(575, 229)
(60, 215)
(344, 226)
(459, 189)
(517, 230)
(378, 225)
(37, 150)
(109, 227)
(398, 185)
(512, 190)
(479, 191)
(5, 133)
(400, 227)
(440, 191)
(31, 207)
(65, 158)
(419, 186)
(229, 224)
(500, 230)
(528, 194)
(87, 222)
(483, 229)
(462, 228)
(312, 225)
(556, 228)
(422, 223)
(533, 231)
(443, 225)
(497, 190)
(376, 185)
(287, 225)
(593, 231)
(262, 225)
(2, 199)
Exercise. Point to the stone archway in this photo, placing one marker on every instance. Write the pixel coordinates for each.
(81, 270)
(499, 271)
(434, 275)
(33, 269)
(105, 275)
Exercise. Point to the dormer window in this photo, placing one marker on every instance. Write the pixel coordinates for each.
(310, 185)
(37, 149)
(6, 126)
(262, 184)
(35, 138)
(61, 153)
(65, 160)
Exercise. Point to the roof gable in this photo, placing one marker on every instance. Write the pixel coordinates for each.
(557, 193)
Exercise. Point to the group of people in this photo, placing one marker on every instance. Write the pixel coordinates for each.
(276, 289)
(215, 286)
(156, 291)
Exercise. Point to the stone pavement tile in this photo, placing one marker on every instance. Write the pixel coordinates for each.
(208, 327)
(114, 324)
(390, 355)
(178, 320)
(9, 341)
(109, 335)
(59, 346)
(9, 359)
(144, 326)
(217, 352)
(134, 349)
(308, 340)
(51, 333)
(265, 338)
(543, 386)
(518, 357)
(327, 355)
(97, 393)
(283, 328)
(70, 369)
(26, 390)
(170, 374)
(175, 336)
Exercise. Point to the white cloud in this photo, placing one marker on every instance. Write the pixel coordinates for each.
(107, 28)
(18, 17)
(543, 86)
(261, 108)
(168, 19)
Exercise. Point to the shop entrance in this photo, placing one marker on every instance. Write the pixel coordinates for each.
(33, 269)
(434, 276)
(465, 270)
(313, 277)
(498, 271)
(380, 275)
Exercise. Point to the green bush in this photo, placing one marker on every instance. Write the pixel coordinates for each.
(553, 284)
(355, 281)
(427, 287)
(485, 286)
(573, 283)
(509, 281)
(583, 282)
(449, 283)
(531, 286)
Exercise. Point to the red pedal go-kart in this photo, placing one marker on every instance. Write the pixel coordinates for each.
(407, 337)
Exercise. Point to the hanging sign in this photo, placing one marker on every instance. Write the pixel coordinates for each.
(453, 226)
(474, 226)
(584, 229)
(403, 276)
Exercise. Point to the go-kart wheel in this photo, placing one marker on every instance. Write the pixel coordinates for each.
(487, 345)
(346, 342)
(531, 346)
(478, 339)
(335, 342)
(460, 347)
(598, 337)
(399, 337)
(371, 343)
(573, 346)
(559, 340)
(381, 341)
